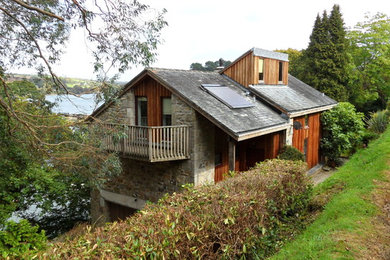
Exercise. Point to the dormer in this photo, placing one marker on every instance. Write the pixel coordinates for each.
(259, 67)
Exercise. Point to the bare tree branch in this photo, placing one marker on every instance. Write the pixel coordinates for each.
(33, 8)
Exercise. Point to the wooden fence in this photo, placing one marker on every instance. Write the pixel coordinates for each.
(150, 143)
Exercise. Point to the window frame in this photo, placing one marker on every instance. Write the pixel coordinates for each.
(280, 75)
(261, 81)
(162, 111)
(137, 111)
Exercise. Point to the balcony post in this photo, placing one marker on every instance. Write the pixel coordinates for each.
(150, 136)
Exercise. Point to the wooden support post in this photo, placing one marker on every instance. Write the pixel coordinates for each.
(232, 154)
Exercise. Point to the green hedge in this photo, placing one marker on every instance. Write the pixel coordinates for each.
(246, 215)
(18, 239)
(289, 152)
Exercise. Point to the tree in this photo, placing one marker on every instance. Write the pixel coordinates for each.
(370, 49)
(30, 177)
(37, 146)
(120, 34)
(325, 60)
(210, 65)
(295, 64)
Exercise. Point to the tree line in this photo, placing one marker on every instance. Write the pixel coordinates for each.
(347, 65)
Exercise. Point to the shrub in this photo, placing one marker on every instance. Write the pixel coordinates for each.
(289, 152)
(378, 121)
(243, 216)
(342, 130)
(18, 239)
(368, 136)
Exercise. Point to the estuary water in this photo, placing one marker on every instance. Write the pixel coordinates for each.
(83, 104)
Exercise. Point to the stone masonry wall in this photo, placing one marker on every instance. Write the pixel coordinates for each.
(122, 112)
(150, 181)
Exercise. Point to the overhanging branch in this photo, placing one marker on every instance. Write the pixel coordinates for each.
(36, 9)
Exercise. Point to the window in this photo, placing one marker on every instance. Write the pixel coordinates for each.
(142, 111)
(166, 111)
(261, 71)
(280, 71)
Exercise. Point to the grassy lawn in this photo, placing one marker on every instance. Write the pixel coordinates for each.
(353, 224)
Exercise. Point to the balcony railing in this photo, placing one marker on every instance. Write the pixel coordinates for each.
(153, 143)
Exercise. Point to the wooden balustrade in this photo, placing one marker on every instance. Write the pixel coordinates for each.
(153, 144)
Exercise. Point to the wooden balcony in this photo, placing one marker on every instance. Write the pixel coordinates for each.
(152, 144)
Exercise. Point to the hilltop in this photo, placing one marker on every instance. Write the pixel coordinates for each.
(75, 85)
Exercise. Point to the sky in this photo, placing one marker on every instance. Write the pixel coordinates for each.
(203, 30)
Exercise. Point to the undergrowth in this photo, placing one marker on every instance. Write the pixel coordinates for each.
(246, 216)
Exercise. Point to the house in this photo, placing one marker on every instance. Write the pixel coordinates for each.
(184, 126)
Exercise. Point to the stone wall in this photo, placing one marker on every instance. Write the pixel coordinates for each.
(122, 112)
(204, 151)
(150, 181)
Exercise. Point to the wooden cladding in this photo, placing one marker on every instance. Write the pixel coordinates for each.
(221, 154)
(154, 92)
(307, 138)
(248, 152)
(252, 151)
(246, 71)
(271, 71)
(242, 71)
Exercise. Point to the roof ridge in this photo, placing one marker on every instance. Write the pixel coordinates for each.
(187, 70)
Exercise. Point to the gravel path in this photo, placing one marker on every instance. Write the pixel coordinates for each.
(321, 175)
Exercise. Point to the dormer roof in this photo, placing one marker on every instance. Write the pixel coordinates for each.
(269, 54)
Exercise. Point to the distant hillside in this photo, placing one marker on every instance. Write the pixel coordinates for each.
(75, 85)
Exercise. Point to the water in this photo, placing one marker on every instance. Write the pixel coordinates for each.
(83, 104)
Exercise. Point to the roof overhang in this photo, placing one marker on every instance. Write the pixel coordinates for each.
(310, 111)
(260, 132)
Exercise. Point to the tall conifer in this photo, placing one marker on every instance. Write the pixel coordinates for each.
(325, 58)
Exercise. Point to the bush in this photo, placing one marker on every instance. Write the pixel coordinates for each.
(378, 121)
(368, 136)
(342, 130)
(289, 152)
(18, 239)
(248, 215)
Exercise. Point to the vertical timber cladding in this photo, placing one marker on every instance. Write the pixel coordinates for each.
(246, 71)
(271, 71)
(221, 154)
(254, 150)
(154, 92)
(310, 132)
(242, 71)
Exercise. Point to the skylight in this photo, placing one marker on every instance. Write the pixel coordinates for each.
(227, 96)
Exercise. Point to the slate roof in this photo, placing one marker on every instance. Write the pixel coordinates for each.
(187, 84)
(296, 97)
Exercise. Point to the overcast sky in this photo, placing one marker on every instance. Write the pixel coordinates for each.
(202, 30)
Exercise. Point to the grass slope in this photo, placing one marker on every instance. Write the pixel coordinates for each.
(349, 213)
